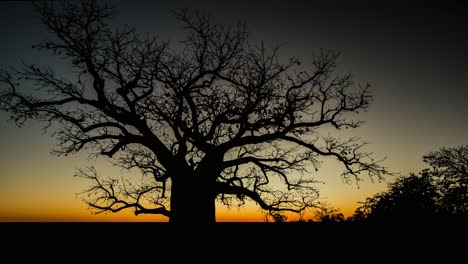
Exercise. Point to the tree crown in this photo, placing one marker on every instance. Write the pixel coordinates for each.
(216, 107)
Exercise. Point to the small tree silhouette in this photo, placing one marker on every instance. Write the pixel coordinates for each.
(329, 215)
(219, 119)
(278, 218)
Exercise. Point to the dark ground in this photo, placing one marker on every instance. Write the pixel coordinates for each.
(431, 241)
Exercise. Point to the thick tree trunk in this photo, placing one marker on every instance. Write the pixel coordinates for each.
(192, 200)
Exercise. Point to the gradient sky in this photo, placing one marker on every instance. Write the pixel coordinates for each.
(415, 58)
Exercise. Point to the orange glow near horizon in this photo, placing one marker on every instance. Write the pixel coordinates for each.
(248, 213)
(127, 216)
(80, 216)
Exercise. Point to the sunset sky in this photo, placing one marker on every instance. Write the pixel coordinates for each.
(415, 58)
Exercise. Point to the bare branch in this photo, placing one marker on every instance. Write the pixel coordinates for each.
(109, 196)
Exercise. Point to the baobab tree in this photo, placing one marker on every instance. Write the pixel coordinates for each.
(214, 119)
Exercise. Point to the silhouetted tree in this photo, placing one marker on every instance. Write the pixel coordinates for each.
(410, 198)
(215, 118)
(438, 193)
(278, 217)
(329, 215)
(449, 173)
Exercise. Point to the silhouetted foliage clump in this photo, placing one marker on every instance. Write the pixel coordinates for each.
(278, 218)
(329, 215)
(437, 193)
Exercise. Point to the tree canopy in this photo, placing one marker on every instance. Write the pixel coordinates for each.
(212, 118)
(437, 193)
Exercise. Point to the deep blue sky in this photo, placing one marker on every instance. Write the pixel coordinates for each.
(414, 55)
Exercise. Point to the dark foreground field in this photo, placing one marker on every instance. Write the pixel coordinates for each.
(11, 229)
(234, 242)
(270, 233)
